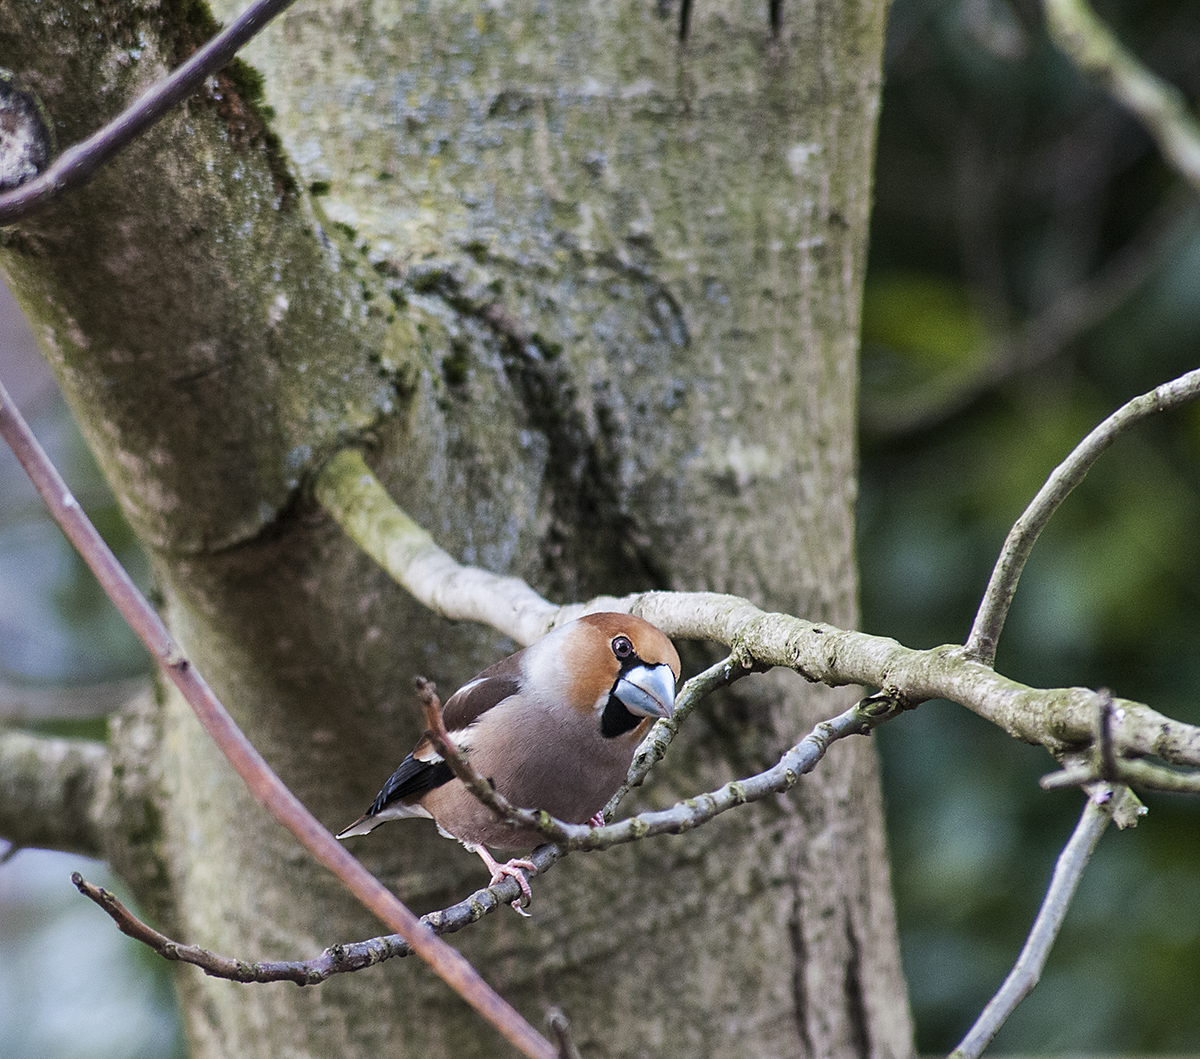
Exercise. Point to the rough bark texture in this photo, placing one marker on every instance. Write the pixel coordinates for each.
(592, 297)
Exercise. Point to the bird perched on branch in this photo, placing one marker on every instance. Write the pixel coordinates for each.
(553, 727)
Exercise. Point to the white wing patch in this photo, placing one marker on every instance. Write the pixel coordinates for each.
(461, 738)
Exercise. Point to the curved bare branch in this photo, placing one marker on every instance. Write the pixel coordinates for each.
(1161, 107)
(981, 644)
(350, 492)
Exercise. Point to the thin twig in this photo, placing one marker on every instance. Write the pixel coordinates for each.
(684, 816)
(981, 644)
(1105, 753)
(1028, 968)
(343, 958)
(654, 747)
(79, 163)
(560, 1030)
(513, 815)
(264, 784)
(337, 959)
(1132, 773)
(1161, 107)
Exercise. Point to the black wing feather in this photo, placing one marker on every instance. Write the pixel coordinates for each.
(412, 779)
(415, 777)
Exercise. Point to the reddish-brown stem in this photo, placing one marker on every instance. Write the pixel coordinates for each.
(267, 787)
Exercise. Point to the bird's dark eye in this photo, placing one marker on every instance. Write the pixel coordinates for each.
(621, 647)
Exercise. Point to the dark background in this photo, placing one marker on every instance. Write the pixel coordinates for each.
(1033, 265)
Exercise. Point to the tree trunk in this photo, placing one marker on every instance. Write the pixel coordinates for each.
(591, 297)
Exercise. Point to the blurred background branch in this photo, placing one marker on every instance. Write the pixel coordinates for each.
(1160, 106)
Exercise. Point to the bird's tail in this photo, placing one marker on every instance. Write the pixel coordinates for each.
(360, 826)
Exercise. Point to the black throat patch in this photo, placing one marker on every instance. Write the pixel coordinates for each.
(616, 719)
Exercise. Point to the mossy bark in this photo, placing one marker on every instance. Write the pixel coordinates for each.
(591, 298)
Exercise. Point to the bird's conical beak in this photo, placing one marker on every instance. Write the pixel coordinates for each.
(648, 691)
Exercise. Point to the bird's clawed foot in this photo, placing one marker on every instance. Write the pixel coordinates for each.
(514, 869)
(597, 820)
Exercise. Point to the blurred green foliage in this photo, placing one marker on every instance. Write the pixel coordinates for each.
(1033, 265)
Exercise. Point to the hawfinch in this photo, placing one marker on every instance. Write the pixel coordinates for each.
(553, 727)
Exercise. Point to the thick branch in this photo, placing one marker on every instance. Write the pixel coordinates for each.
(48, 789)
(1060, 719)
(1161, 107)
(358, 501)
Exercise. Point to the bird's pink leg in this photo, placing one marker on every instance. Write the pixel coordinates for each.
(515, 869)
(597, 820)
